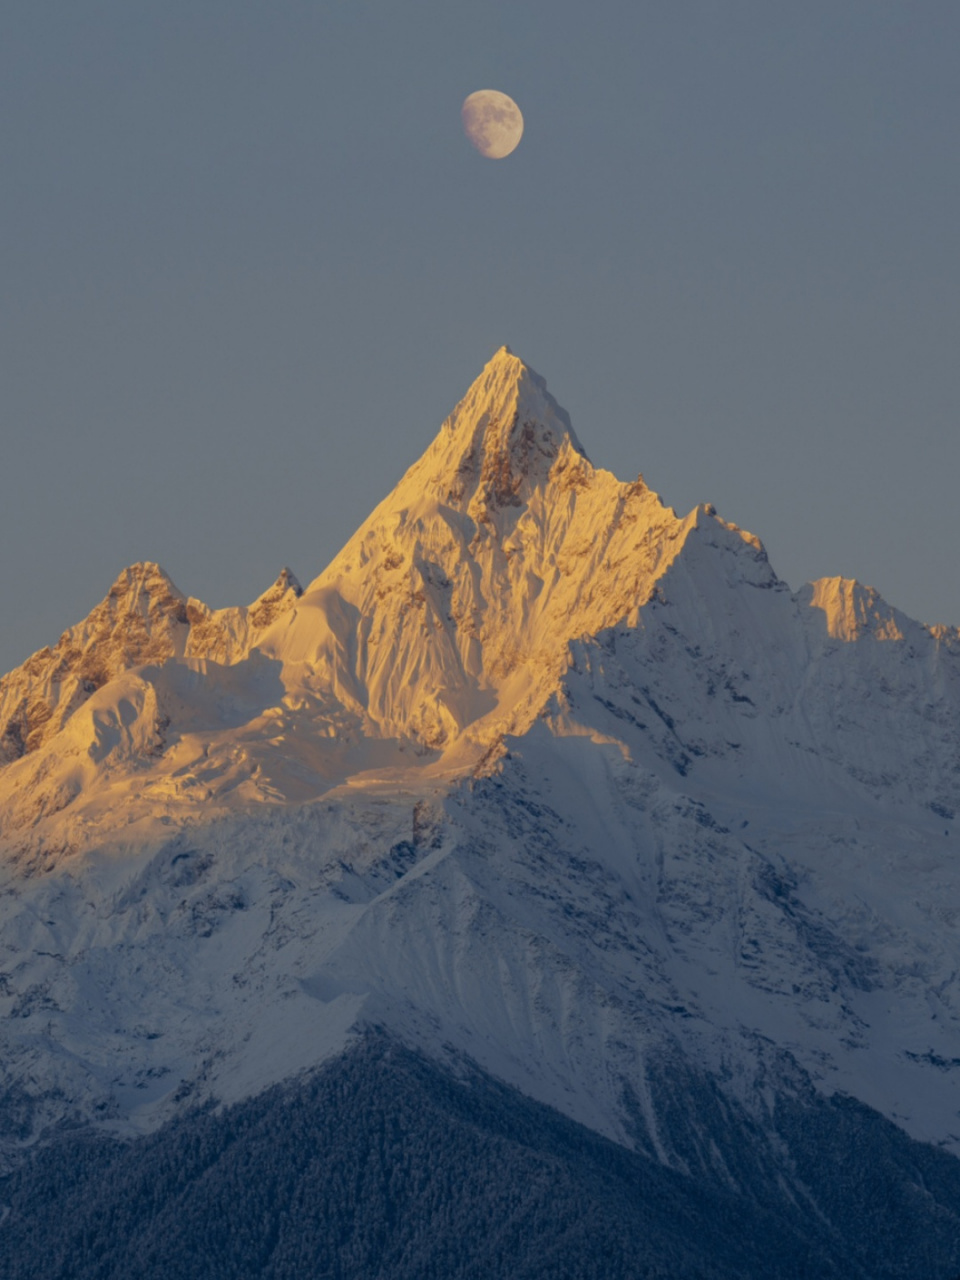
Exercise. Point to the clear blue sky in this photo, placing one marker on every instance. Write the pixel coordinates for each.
(249, 263)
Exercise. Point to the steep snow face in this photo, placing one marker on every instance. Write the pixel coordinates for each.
(535, 770)
(143, 620)
(500, 442)
(851, 610)
(229, 635)
(452, 606)
(735, 672)
(443, 624)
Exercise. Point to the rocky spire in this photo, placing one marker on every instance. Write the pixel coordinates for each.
(500, 442)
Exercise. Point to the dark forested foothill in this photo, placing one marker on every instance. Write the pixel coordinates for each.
(382, 1166)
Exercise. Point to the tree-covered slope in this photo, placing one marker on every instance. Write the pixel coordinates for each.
(381, 1165)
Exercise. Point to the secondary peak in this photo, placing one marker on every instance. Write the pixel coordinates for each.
(276, 600)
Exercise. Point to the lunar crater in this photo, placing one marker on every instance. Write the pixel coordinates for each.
(493, 122)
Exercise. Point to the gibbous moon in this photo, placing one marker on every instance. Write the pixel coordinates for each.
(493, 123)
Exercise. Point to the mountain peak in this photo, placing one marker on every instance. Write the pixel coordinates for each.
(142, 619)
(499, 546)
(508, 387)
(851, 609)
(147, 588)
(276, 600)
(500, 442)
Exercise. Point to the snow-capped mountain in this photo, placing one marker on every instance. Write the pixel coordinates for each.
(536, 775)
(144, 619)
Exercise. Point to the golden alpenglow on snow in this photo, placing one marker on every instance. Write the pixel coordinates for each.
(443, 624)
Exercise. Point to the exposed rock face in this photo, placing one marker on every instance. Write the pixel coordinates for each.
(228, 635)
(275, 601)
(452, 606)
(144, 620)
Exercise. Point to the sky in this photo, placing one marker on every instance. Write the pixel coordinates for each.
(250, 262)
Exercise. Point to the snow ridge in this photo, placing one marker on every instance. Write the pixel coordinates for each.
(143, 619)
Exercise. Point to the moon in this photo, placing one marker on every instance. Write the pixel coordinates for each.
(493, 123)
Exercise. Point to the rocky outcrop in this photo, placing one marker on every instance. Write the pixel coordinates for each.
(143, 620)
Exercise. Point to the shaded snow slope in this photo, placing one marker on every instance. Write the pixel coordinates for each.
(535, 772)
(381, 1163)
